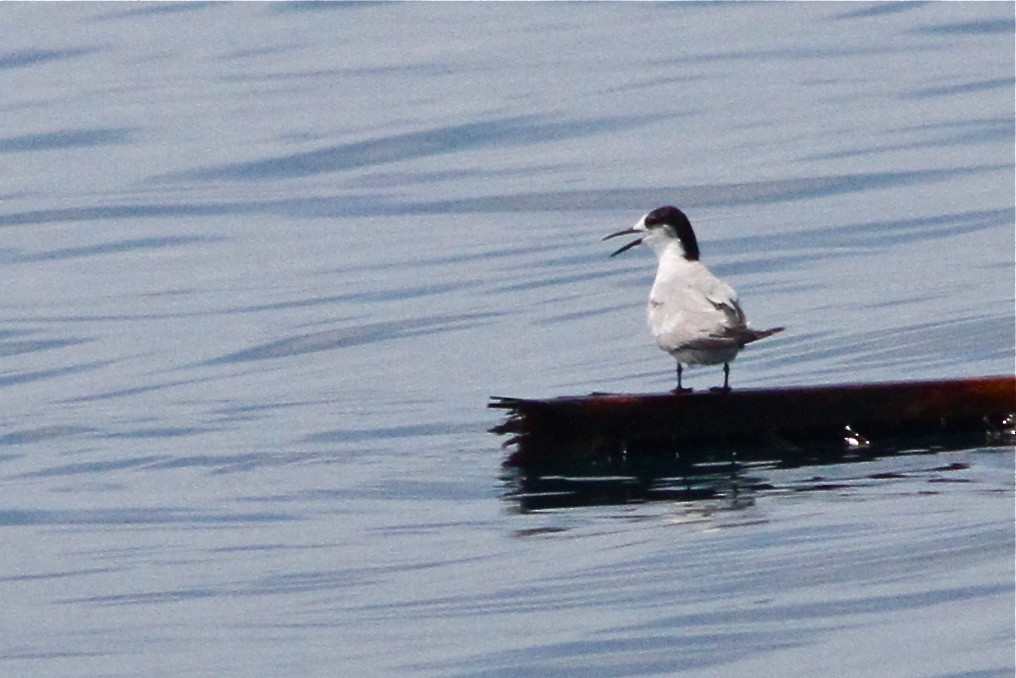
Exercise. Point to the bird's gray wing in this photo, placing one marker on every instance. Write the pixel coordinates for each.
(741, 335)
(731, 310)
(714, 342)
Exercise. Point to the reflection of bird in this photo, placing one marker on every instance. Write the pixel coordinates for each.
(693, 315)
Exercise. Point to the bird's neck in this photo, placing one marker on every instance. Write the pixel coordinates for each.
(671, 261)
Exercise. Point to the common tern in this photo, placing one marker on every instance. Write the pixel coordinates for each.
(693, 315)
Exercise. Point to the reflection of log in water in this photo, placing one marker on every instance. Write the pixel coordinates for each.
(794, 425)
(711, 487)
(626, 481)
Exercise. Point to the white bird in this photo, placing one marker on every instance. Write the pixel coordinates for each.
(693, 315)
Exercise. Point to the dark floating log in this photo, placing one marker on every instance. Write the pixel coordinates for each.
(793, 424)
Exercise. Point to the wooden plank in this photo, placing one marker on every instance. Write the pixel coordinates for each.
(756, 422)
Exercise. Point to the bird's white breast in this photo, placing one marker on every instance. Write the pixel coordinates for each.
(683, 308)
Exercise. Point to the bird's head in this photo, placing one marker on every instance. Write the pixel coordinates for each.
(663, 227)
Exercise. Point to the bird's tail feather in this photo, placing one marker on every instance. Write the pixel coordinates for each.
(755, 335)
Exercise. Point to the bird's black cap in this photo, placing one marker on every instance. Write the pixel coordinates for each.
(677, 221)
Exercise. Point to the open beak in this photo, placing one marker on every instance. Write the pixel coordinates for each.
(627, 231)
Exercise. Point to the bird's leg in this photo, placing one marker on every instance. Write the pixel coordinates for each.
(726, 380)
(679, 389)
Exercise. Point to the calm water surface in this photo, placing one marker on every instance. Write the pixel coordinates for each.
(263, 264)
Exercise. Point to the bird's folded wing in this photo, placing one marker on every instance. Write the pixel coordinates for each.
(713, 342)
(732, 310)
(726, 337)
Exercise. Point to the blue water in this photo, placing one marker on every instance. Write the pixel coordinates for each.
(263, 265)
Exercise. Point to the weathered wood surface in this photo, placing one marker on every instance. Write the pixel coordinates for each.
(756, 421)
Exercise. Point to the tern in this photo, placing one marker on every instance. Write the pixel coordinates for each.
(693, 315)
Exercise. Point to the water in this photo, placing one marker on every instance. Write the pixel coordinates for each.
(262, 266)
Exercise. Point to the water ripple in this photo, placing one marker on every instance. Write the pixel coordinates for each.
(69, 138)
(702, 195)
(350, 336)
(115, 247)
(132, 516)
(31, 57)
(509, 131)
